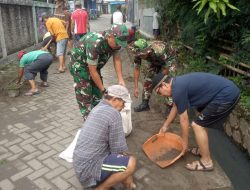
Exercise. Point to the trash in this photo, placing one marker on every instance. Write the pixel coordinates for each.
(126, 119)
(164, 149)
(168, 154)
(67, 154)
(13, 89)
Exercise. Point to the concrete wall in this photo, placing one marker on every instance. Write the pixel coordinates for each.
(146, 22)
(140, 13)
(20, 25)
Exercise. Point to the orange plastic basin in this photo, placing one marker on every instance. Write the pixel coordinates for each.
(164, 149)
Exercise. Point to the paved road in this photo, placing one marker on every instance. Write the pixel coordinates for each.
(34, 130)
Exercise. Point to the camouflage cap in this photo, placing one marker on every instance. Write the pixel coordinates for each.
(120, 33)
(141, 43)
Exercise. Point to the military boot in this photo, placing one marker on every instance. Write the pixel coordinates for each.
(142, 107)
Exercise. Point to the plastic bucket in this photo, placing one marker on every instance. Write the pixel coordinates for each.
(164, 149)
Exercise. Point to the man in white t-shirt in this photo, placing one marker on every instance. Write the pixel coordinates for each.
(156, 27)
(118, 17)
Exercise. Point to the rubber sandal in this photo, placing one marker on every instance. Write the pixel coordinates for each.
(61, 71)
(132, 186)
(30, 93)
(199, 166)
(195, 151)
(44, 85)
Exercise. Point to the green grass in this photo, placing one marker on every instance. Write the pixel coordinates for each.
(2, 162)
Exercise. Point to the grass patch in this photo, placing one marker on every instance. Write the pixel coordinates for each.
(3, 161)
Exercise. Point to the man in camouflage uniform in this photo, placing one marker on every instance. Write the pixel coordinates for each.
(86, 60)
(160, 58)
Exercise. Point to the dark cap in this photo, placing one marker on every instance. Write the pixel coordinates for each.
(158, 79)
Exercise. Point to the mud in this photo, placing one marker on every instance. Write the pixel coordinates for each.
(169, 154)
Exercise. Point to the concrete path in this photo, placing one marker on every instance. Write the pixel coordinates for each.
(34, 130)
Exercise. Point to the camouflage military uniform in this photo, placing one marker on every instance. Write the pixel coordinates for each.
(159, 56)
(92, 49)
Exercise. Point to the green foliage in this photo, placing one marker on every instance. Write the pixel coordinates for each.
(218, 7)
(245, 102)
(245, 91)
(245, 39)
(2, 162)
(196, 63)
(180, 21)
(138, 35)
(242, 55)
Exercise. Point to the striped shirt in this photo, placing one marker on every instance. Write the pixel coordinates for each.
(101, 135)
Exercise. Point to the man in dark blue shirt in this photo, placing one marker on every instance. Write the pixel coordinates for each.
(214, 98)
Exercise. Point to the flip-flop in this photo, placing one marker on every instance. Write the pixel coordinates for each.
(199, 166)
(44, 85)
(30, 93)
(132, 186)
(195, 151)
(59, 72)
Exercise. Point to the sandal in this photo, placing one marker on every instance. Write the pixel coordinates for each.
(195, 151)
(199, 166)
(61, 71)
(44, 85)
(132, 186)
(31, 93)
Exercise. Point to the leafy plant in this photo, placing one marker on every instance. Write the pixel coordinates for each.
(245, 39)
(217, 6)
(245, 91)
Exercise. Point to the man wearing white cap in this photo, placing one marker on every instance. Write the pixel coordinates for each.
(100, 157)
